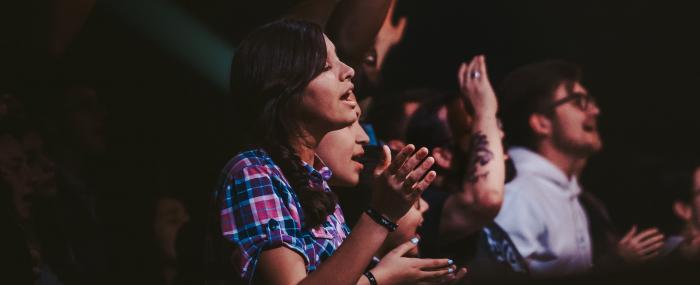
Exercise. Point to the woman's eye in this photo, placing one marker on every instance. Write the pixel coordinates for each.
(327, 67)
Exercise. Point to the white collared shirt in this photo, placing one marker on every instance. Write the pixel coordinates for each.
(542, 215)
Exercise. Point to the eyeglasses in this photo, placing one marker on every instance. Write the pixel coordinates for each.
(582, 101)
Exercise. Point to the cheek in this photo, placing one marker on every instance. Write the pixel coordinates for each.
(337, 154)
(321, 92)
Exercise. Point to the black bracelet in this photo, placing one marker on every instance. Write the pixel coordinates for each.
(370, 277)
(380, 219)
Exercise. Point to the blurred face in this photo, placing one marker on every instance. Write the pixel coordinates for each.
(41, 168)
(86, 119)
(408, 225)
(339, 149)
(328, 102)
(170, 216)
(388, 36)
(575, 130)
(14, 171)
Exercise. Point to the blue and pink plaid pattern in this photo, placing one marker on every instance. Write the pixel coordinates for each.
(259, 210)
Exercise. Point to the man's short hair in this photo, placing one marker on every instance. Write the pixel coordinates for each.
(528, 90)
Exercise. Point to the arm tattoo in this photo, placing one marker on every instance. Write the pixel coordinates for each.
(479, 155)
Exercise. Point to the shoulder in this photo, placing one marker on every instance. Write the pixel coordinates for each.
(250, 164)
(522, 196)
(525, 187)
(254, 158)
(251, 174)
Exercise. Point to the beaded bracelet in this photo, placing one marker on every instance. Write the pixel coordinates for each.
(370, 277)
(380, 219)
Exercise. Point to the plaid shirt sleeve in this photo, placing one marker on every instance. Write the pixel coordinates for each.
(258, 213)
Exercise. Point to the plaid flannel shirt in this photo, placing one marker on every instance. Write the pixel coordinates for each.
(259, 210)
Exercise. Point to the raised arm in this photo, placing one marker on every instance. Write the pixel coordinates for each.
(481, 194)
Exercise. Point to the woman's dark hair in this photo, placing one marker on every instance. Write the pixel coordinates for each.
(269, 72)
(424, 127)
(528, 90)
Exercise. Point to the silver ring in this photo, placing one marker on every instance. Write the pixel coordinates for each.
(475, 74)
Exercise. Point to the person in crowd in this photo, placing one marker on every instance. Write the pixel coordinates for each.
(19, 257)
(170, 215)
(274, 205)
(552, 122)
(342, 151)
(35, 199)
(462, 208)
(685, 244)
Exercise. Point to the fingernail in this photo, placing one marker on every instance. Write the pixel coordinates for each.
(450, 261)
(415, 241)
(450, 270)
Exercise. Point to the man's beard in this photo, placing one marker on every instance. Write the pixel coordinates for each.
(575, 148)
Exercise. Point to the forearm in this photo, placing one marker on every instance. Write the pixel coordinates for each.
(352, 36)
(481, 194)
(351, 259)
(485, 176)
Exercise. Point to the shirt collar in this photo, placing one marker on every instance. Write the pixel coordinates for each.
(529, 162)
(319, 173)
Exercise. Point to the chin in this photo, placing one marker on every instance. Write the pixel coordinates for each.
(596, 145)
(339, 181)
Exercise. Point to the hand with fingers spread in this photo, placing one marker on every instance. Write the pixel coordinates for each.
(640, 247)
(394, 268)
(476, 87)
(399, 183)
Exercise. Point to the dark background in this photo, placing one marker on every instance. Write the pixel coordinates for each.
(169, 130)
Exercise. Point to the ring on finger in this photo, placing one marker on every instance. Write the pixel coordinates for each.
(475, 74)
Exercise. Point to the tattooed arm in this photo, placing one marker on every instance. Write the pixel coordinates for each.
(481, 195)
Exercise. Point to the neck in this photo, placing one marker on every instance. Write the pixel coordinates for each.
(305, 144)
(570, 164)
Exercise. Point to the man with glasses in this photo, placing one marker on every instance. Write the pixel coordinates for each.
(552, 122)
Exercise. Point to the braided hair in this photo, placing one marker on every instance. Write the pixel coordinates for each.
(269, 73)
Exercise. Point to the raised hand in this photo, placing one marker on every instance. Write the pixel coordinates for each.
(399, 183)
(640, 247)
(476, 87)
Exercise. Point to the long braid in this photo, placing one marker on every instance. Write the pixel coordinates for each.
(316, 205)
(269, 74)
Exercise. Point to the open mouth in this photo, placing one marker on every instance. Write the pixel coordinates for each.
(359, 158)
(590, 128)
(349, 95)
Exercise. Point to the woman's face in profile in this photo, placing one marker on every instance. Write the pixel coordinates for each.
(340, 149)
(328, 102)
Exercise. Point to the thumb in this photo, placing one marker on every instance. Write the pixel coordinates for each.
(385, 162)
(405, 247)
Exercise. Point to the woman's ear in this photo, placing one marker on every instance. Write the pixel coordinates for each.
(541, 125)
(443, 157)
(682, 210)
